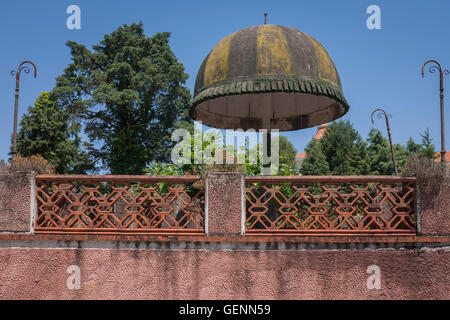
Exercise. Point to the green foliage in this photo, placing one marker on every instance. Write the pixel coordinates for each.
(287, 154)
(129, 93)
(241, 161)
(252, 169)
(287, 164)
(344, 150)
(379, 153)
(45, 130)
(315, 164)
(163, 169)
(401, 155)
(413, 147)
(426, 148)
(380, 156)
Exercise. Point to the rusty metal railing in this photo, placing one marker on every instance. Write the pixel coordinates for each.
(340, 205)
(84, 204)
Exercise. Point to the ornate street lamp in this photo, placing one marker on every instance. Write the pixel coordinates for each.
(387, 116)
(433, 69)
(25, 68)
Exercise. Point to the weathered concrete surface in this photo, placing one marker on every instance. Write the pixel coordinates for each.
(435, 211)
(225, 203)
(35, 273)
(215, 267)
(16, 202)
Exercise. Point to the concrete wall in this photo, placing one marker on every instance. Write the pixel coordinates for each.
(17, 202)
(225, 203)
(209, 273)
(435, 211)
(222, 265)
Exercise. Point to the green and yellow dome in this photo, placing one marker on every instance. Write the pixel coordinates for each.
(268, 75)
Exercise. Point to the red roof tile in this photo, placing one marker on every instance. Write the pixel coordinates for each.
(319, 135)
(438, 157)
(301, 156)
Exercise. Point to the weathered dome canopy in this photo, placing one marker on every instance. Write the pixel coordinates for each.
(268, 76)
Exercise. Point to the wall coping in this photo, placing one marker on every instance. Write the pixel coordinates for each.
(223, 242)
(219, 215)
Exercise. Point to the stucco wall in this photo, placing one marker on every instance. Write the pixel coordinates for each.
(17, 202)
(435, 211)
(223, 264)
(36, 273)
(224, 203)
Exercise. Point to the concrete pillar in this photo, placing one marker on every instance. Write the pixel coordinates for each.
(434, 211)
(225, 204)
(17, 202)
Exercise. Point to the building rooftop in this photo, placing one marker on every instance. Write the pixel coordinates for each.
(319, 135)
(438, 157)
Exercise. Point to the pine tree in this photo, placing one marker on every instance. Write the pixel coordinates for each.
(129, 93)
(412, 146)
(426, 148)
(45, 130)
(379, 154)
(315, 162)
(344, 149)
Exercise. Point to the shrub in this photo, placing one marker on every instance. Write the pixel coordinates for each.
(220, 163)
(34, 163)
(430, 175)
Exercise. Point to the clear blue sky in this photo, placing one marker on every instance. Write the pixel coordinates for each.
(378, 68)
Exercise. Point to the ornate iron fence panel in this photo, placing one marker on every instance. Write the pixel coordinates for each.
(119, 204)
(330, 205)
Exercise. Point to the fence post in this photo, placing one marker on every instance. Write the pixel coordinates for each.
(225, 204)
(17, 202)
(435, 211)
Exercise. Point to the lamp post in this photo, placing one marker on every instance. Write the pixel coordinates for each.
(433, 69)
(23, 66)
(387, 116)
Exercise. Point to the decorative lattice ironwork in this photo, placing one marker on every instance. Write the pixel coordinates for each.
(119, 204)
(335, 205)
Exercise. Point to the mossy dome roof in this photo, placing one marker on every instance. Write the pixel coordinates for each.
(268, 76)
